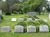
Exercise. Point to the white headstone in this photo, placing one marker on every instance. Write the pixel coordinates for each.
(20, 19)
(45, 20)
(13, 19)
(43, 28)
(37, 19)
(31, 28)
(29, 19)
(49, 16)
(20, 0)
(5, 29)
(0, 12)
(18, 28)
(43, 8)
(31, 13)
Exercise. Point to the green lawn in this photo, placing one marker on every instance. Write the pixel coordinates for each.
(24, 34)
(7, 21)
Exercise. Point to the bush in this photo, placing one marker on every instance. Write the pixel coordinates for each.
(42, 22)
(14, 12)
(8, 13)
(21, 23)
(35, 17)
(36, 23)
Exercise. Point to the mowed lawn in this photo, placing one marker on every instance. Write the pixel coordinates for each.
(24, 34)
(7, 22)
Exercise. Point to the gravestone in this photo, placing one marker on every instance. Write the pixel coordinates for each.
(45, 20)
(0, 12)
(31, 28)
(5, 29)
(37, 19)
(29, 19)
(49, 16)
(13, 19)
(43, 28)
(43, 8)
(1, 18)
(21, 0)
(20, 19)
(31, 13)
(18, 28)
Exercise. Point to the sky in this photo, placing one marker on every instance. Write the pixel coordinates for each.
(48, 0)
(3, 0)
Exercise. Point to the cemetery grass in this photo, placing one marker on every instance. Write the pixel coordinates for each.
(10, 34)
(7, 21)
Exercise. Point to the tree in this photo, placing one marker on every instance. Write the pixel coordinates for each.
(28, 5)
(0, 4)
(31, 5)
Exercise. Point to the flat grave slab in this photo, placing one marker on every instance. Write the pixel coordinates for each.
(20, 19)
(29, 19)
(13, 19)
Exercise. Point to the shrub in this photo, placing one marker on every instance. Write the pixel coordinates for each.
(42, 22)
(21, 23)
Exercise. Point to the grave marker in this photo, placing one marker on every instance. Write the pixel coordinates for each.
(29, 19)
(31, 13)
(43, 28)
(5, 29)
(20, 19)
(0, 12)
(31, 28)
(18, 28)
(13, 19)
